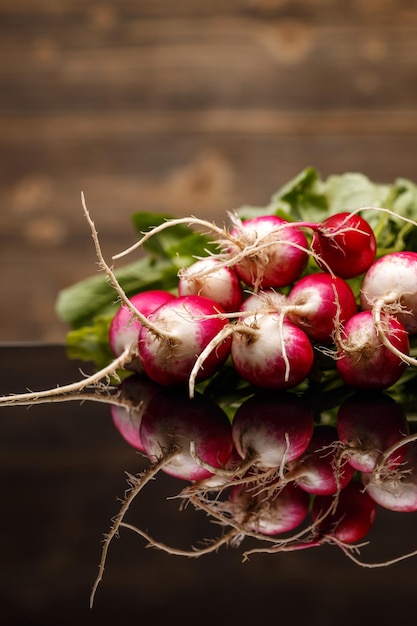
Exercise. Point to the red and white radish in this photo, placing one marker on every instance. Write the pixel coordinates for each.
(395, 489)
(185, 326)
(390, 286)
(367, 424)
(349, 521)
(271, 352)
(345, 243)
(319, 470)
(125, 326)
(270, 430)
(390, 283)
(285, 511)
(318, 303)
(275, 252)
(363, 361)
(210, 278)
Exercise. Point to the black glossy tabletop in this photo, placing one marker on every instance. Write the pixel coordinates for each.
(62, 469)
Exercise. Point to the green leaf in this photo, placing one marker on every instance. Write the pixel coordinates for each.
(351, 191)
(178, 243)
(91, 343)
(78, 304)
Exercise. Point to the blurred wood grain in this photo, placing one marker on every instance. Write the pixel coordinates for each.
(181, 107)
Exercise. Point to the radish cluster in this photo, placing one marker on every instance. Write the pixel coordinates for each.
(275, 297)
(272, 303)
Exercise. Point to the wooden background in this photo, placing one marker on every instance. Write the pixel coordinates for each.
(184, 107)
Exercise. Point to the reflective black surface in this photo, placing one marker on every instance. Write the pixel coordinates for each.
(62, 469)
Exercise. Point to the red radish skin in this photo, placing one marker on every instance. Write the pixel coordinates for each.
(275, 355)
(275, 255)
(363, 362)
(170, 362)
(124, 327)
(367, 424)
(208, 277)
(345, 243)
(318, 302)
(391, 282)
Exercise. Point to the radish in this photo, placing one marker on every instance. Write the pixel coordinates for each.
(395, 489)
(367, 424)
(267, 351)
(270, 430)
(276, 251)
(208, 277)
(136, 391)
(283, 512)
(124, 327)
(318, 302)
(340, 521)
(319, 470)
(169, 423)
(348, 522)
(390, 286)
(271, 352)
(363, 361)
(264, 299)
(179, 333)
(345, 243)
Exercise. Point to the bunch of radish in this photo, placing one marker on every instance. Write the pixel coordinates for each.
(254, 305)
(273, 299)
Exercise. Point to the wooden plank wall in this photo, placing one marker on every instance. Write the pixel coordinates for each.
(183, 107)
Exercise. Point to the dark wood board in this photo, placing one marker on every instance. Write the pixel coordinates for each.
(182, 107)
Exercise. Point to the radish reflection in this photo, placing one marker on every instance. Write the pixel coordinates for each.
(293, 479)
